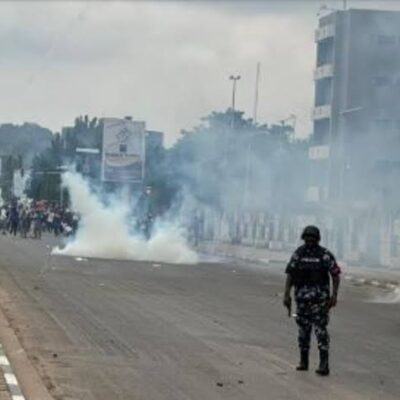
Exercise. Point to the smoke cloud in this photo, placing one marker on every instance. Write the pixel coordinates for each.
(104, 231)
(392, 297)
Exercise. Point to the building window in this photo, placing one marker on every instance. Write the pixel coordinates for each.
(381, 81)
(386, 39)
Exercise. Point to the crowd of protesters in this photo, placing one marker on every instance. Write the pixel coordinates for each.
(30, 218)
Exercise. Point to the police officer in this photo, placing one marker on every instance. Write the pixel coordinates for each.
(308, 272)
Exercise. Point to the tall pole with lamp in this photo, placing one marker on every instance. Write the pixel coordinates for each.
(234, 79)
(255, 111)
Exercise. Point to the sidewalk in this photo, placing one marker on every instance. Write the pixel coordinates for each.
(379, 277)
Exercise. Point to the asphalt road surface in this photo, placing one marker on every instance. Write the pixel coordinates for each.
(102, 330)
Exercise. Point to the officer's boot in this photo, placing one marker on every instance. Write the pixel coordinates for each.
(303, 366)
(323, 369)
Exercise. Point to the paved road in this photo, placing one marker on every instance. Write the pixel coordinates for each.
(101, 330)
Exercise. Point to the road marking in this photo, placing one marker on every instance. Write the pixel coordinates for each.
(9, 377)
(4, 360)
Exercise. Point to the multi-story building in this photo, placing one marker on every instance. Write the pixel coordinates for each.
(154, 139)
(356, 113)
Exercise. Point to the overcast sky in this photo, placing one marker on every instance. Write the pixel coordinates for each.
(167, 63)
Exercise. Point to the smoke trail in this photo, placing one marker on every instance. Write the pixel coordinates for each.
(104, 231)
(389, 298)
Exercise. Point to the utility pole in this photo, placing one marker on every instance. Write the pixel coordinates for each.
(256, 93)
(234, 79)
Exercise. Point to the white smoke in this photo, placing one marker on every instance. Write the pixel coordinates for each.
(389, 298)
(104, 231)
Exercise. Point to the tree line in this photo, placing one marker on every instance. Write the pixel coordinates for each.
(226, 161)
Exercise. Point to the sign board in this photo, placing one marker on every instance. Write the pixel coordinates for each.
(123, 150)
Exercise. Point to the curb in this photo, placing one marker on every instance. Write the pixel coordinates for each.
(30, 382)
(353, 279)
(10, 378)
(357, 281)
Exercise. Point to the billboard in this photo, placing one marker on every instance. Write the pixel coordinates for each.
(123, 150)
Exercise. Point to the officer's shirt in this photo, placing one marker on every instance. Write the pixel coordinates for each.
(318, 258)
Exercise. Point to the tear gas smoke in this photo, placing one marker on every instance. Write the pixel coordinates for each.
(389, 298)
(255, 185)
(104, 231)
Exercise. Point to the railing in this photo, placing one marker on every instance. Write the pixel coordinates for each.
(324, 71)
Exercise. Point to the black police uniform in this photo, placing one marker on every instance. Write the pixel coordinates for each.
(310, 268)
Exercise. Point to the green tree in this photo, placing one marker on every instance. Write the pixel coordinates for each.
(46, 180)
(46, 167)
(228, 158)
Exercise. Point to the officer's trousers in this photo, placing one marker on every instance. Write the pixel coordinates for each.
(312, 314)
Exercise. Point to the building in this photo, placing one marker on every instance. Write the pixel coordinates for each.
(356, 115)
(154, 139)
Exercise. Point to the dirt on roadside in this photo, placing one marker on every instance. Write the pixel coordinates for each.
(38, 333)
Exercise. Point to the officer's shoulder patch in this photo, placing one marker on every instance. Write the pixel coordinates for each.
(326, 257)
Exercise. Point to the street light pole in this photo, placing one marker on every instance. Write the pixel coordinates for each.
(234, 79)
(256, 93)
